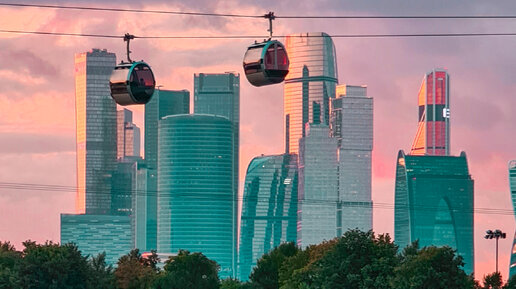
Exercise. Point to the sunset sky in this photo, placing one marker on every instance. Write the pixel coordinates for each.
(37, 100)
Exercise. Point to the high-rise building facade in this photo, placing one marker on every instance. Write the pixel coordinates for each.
(318, 186)
(269, 208)
(95, 234)
(162, 103)
(351, 123)
(309, 85)
(434, 203)
(196, 196)
(128, 135)
(433, 132)
(96, 130)
(219, 94)
(512, 185)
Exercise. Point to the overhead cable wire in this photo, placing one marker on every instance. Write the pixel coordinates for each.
(192, 13)
(48, 33)
(122, 193)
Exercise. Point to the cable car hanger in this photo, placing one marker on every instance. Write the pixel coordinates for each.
(132, 82)
(266, 62)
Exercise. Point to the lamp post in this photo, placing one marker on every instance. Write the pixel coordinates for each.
(496, 234)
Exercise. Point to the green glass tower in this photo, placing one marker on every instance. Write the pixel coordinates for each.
(269, 208)
(512, 184)
(163, 103)
(195, 188)
(434, 203)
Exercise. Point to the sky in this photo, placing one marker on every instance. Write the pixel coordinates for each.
(37, 100)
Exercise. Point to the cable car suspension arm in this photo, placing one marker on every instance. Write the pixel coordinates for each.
(127, 38)
(271, 17)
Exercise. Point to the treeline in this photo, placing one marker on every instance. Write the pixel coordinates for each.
(356, 260)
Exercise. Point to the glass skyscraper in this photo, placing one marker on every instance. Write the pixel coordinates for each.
(269, 208)
(434, 203)
(352, 124)
(128, 135)
(512, 185)
(219, 94)
(162, 103)
(96, 130)
(95, 234)
(196, 196)
(318, 186)
(433, 132)
(309, 85)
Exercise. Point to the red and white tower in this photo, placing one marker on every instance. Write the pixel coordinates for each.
(433, 132)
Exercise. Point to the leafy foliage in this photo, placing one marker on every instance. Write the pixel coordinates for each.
(266, 273)
(194, 271)
(136, 272)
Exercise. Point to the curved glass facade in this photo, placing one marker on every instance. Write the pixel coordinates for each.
(434, 203)
(512, 184)
(269, 208)
(309, 85)
(196, 200)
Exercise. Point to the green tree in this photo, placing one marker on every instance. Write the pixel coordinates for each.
(192, 271)
(135, 272)
(358, 260)
(266, 273)
(102, 275)
(511, 284)
(231, 283)
(431, 268)
(9, 265)
(53, 266)
(491, 281)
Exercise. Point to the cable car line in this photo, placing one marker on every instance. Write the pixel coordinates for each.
(259, 16)
(378, 205)
(131, 10)
(261, 36)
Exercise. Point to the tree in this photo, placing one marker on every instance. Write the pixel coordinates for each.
(102, 276)
(186, 270)
(511, 284)
(9, 265)
(431, 268)
(230, 283)
(53, 266)
(266, 273)
(135, 272)
(358, 260)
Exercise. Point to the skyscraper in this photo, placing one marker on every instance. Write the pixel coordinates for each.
(128, 135)
(318, 186)
(434, 203)
(433, 132)
(102, 223)
(195, 188)
(96, 130)
(219, 94)
(352, 124)
(512, 185)
(310, 84)
(269, 208)
(162, 103)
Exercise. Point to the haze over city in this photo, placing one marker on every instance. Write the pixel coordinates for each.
(37, 107)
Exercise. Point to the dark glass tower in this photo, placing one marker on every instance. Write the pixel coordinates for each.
(269, 208)
(195, 188)
(434, 203)
(95, 113)
(163, 103)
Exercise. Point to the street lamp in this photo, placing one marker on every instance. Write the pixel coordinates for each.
(497, 234)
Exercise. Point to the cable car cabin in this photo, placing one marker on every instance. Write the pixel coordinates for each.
(132, 83)
(266, 63)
